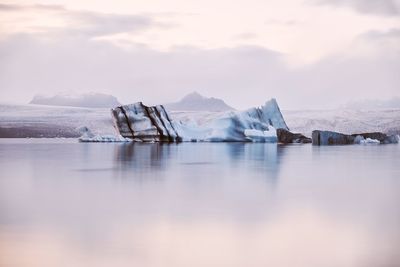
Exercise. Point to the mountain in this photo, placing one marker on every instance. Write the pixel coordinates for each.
(196, 102)
(89, 100)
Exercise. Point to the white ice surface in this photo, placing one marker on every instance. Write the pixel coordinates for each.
(222, 126)
(365, 141)
(261, 136)
(104, 138)
(369, 141)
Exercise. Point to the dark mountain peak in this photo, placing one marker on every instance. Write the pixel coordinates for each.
(193, 96)
(196, 102)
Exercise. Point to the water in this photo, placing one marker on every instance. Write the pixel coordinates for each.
(64, 203)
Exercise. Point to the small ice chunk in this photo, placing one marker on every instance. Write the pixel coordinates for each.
(369, 141)
(85, 132)
(88, 136)
(104, 139)
(365, 141)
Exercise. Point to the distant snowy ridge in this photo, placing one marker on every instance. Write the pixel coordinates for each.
(196, 102)
(89, 100)
(344, 121)
(372, 104)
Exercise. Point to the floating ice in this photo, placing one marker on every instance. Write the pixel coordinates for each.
(104, 138)
(88, 136)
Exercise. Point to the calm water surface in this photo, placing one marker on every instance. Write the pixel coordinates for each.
(64, 203)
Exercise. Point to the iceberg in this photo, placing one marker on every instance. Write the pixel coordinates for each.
(287, 137)
(334, 138)
(139, 122)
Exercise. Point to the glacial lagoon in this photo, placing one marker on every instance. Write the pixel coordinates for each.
(64, 203)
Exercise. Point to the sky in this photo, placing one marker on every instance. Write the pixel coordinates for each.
(309, 54)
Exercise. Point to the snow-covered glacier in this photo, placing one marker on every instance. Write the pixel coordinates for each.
(154, 124)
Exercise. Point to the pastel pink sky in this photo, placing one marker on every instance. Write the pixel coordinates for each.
(306, 53)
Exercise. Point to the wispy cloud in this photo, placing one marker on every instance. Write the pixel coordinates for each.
(377, 43)
(8, 7)
(375, 7)
(85, 23)
(13, 7)
(246, 36)
(97, 24)
(282, 22)
(391, 34)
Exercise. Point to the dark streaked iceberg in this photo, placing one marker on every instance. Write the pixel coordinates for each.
(142, 123)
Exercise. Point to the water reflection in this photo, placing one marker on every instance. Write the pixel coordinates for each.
(257, 158)
(198, 205)
(254, 158)
(203, 180)
(142, 156)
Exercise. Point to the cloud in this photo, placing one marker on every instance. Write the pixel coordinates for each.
(375, 42)
(282, 22)
(84, 23)
(375, 7)
(391, 34)
(8, 7)
(13, 7)
(97, 24)
(246, 36)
